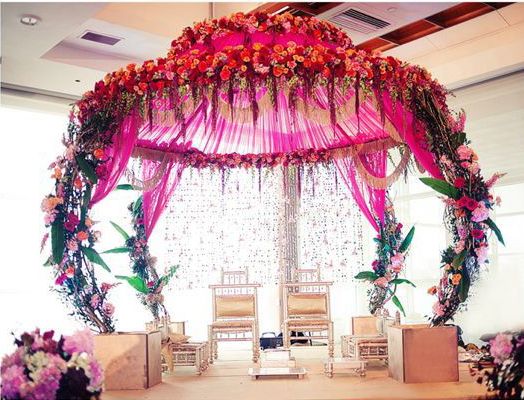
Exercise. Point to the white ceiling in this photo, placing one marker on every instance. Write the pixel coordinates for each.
(50, 57)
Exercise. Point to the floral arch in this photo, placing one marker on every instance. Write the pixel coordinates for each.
(261, 91)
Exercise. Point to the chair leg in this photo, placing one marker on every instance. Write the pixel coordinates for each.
(331, 343)
(256, 347)
(287, 341)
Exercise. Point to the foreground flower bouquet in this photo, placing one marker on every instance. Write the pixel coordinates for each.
(506, 379)
(42, 368)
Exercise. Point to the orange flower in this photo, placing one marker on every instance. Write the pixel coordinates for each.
(82, 235)
(70, 271)
(278, 48)
(88, 222)
(432, 290)
(57, 174)
(455, 279)
(78, 183)
(257, 46)
(447, 267)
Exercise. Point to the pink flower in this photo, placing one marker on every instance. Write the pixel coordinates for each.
(482, 254)
(459, 182)
(108, 309)
(491, 181)
(498, 200)
(381, 282)
(72, 245)
(60, 280)
(464, 152)
(481, 213)
(501, 347)
(397, 259)
(95, 300)
(95, 375)
(79, 342)
(462, 232)
(467, 202)
(439, 309)
(459, 246)
(13, 378)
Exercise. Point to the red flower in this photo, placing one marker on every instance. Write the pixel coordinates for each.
(459, 183)
(202, 66)
(71, 222)
(477, 233)
(278, 70)
(225, 74)
(467, 202)
(102, 171)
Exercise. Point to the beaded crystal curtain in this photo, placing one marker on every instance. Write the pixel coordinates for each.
(222, 220)
(330, 226)
(231, 220)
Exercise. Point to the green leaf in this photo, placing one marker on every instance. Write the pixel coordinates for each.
(397, 302)
(398, 281)
(135, 281)
(442, 187)
(48, 262)
(459, 138)
(407, 240)
(85, 203)
(366, 275)
(57, 240)
(464, 285)
(124, 234)
(459, 259)
(93, 256)
(125, 186)
(137, 206)
(489, 222)
(87, 168)
(117, 250)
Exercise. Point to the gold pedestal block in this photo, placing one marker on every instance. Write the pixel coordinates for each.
(131, 360)
(418, 353)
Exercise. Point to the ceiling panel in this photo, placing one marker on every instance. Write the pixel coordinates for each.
(473, 28)
(513, 14)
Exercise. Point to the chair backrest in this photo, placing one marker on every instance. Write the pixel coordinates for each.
(234, 301)
(239, 277)
(306, 300)
(307, 275)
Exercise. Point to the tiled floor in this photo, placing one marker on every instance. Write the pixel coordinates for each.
(228, 379)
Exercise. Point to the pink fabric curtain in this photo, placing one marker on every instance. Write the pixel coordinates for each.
(155, 200)
(370, 200)
(118, 156)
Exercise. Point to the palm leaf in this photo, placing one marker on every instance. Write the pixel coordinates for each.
(86, 168)
(135, 281)
(407, 240)
(398, 281)
(93, 256)
(120, 230)
(57, 240)
(366, 275)
(489, 222)
(397, 302)
(117, 250)
(442, 187)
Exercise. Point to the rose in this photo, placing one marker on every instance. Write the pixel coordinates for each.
(459, 183)
(108, 309)
(477, 233)
(481, 213)
(467, 202)
(381, 282)
(464, 152)
(71, 222)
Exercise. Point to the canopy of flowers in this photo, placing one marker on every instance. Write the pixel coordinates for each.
(260, 91)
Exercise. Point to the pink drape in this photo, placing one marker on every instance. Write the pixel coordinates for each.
(155, 200)
(118, 157)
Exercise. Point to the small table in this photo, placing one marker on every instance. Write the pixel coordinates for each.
(287, 372)
(358, 366)
(194, 354)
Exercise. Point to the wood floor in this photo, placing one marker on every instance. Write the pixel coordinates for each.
(228, 379)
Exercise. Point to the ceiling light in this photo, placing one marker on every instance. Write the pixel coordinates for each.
(77, 80)
(391, 9)
(30, 20)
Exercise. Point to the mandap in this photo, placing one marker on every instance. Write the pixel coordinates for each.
(264, 91)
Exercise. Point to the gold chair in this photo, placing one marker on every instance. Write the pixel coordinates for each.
(307, 309)
(235, 316)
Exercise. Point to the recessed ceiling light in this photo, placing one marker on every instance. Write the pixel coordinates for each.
(391, 9)
(77, 80)
(30, 20)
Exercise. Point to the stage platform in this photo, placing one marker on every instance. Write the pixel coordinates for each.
(228, 379)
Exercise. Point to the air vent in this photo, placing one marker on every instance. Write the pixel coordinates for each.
(100, 38)
(355, 20)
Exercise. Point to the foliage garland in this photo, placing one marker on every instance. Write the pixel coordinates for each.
(193, 69)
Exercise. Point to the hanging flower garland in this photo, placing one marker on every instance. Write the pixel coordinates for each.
(146, 280)
(391, 251)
